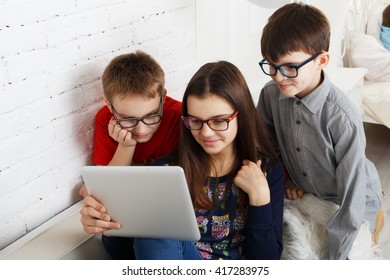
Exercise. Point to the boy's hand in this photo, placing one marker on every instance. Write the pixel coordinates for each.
(251, 180)
(119, 134)
(94, 218)
(292, 191)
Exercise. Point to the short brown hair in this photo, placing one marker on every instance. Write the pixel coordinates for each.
(134, 73)
(386, 16)
(295, 27)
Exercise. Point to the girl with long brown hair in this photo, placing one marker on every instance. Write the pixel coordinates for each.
(234, 178)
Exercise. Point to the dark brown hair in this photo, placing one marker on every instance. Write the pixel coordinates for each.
(134, 73)
(386, 16)
(295, 27)
(226, 81)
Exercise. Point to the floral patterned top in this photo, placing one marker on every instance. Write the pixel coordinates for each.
(224, 232)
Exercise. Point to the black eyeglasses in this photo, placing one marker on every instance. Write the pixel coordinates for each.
(216, 124)
(133, 122)
(288, 70)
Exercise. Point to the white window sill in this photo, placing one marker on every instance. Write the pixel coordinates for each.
(62, 237)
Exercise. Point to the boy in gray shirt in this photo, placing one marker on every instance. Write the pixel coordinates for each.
(315, 127)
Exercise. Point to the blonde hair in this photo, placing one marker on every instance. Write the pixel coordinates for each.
(134, 73)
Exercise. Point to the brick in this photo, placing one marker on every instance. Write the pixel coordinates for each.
(9, 125)
(9, 154)
(11, 230)
(3, 75)
(41, 61)
(9, 180)
(17, 38)
(25, 12)
(21, 93)
(84, 5)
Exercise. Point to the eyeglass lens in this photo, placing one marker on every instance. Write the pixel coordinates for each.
(288, 71)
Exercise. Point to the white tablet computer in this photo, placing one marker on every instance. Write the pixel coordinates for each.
(148, 201)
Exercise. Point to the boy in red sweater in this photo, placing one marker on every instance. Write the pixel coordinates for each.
(138, 125)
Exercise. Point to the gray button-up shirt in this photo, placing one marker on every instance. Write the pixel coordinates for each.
(322, 143)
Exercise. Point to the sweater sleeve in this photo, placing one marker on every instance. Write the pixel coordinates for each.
(104, 146)
(265, 223)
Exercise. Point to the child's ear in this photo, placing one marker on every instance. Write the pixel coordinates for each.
(323, 60)
(108, 104)
(164, 94)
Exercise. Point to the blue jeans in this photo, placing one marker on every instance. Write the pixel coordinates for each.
(165, 249)
(120, 248)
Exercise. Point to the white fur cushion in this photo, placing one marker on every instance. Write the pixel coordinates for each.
(304, 233)
(368, 53)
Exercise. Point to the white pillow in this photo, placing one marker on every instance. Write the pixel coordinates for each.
(374, 22)
(368, 53)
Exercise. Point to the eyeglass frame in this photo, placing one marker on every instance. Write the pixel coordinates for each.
(279, 67)
(227, 120)
(118, 121)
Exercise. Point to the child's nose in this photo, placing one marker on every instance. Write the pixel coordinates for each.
(140, 127)
(279, 76)
(206, 130)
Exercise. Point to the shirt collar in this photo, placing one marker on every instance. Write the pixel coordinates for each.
(316, 99)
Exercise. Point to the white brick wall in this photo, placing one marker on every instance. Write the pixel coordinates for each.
(52, 54)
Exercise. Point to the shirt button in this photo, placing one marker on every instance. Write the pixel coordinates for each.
(298, 122)
(298, 149)
(298, 102)
(304, 174)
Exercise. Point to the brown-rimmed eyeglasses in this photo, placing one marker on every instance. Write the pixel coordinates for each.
(216, 124)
